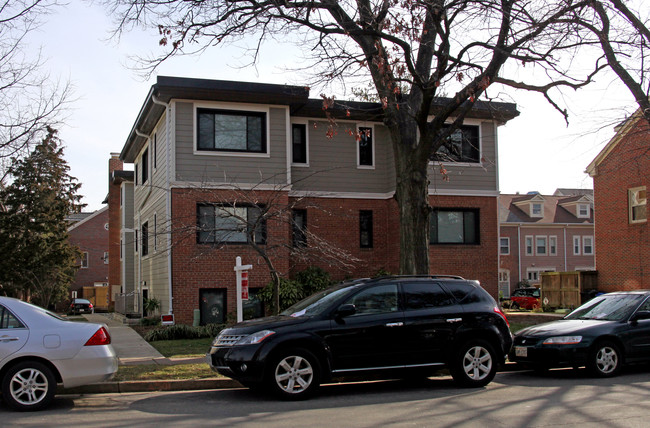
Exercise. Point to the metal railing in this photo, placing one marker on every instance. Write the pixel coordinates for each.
(128, 303)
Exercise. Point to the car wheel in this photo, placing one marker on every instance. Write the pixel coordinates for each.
(27, 386)
(474, 364)
(294, 374)
(605, 359)
(514, 305)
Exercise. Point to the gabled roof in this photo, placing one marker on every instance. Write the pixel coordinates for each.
(555, 209)
(573, 192)
(167, 88)
(87, 218)
(621, 131)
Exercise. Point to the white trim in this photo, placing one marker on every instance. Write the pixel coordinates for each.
(468, 122)
(256, 108)
(576, 240)
(196, 185)
(462, 192)
(372, 141)
(87, 254)
(545, 238)
(550, 247)
(532, 209)
(630, 206)
(584, 245)
(298, 121)
(87, 219)
(579, 206)
(532, 245)
(155, 232)
(507, 253)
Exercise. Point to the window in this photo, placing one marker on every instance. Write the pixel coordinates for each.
(461, 146)
(365, 229)
(529, 245)
(423, 295)
(533, 275)
(576, 245)
(135, 173)
(121, 196)
(105, 257)
(299, 143)
(232, 131)
(145, 238)
(536, 210)
(365, 147)
(376, 300)
(145, 165)
(299, 228)
(155, 151)
(540, 245)
(8, 320)
(136, 240)
(587, 245)
(552, 245)
(583, 210)
(121, 249)
(637, 204)
(155, 232)
(504, 246)
(84, 260)
(448, 226)
(225, 224)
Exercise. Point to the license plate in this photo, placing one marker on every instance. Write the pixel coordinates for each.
(521, 351)
(82, 310)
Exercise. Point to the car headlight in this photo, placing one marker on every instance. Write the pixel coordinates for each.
(254, 338)
(563, 340)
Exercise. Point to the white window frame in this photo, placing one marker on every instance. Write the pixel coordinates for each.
(105, 257)
(507, 253)
(306, 123)
(155, 232)
(532, 209)
(552, 245)
(587, 209)
(374, 145)
(545, 239)
(576, 246)
(538, 271)
(529, 241)
(634, 199)
(85, 257)
(586, 239)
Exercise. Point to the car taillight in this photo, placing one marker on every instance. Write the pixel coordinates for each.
(500, 312)
(90, 305)
(101, 337)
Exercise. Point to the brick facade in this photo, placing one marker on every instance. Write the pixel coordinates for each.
(114, 221)
(91, 236)
(623, 258)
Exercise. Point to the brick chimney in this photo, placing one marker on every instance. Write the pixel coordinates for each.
(114, 220)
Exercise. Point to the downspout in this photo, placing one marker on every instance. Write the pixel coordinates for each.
(519, 250)
(565, 247)
(169, 132)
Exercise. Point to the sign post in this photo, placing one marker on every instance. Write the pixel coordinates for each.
(242, 286)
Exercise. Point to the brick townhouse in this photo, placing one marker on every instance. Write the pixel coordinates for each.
(621, 174)
(209, 155)
(90, 235)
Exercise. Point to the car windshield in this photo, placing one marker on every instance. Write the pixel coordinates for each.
(608, 307)
(317, 303)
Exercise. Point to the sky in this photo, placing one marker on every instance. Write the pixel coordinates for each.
(537, 150)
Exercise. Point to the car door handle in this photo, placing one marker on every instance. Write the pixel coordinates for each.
(8, 339)
(394, 324)
(453, 320)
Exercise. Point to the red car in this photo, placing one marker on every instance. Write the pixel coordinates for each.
(525, 298)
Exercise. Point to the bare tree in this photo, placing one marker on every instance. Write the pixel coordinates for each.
(417, 54)
(29, 99)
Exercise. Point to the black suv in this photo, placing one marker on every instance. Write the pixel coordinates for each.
(369, 327)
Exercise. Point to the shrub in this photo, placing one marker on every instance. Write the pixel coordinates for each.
(306, 283)
(149, 321)
(183, 331)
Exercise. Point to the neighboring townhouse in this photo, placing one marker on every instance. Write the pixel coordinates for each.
(621, 174)
(541, 233)
(90, 235)
(202, 149)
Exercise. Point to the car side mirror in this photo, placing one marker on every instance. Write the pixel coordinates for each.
(641, 315)
(346, 310)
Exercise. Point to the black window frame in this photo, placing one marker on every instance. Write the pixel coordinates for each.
(365, 145)
(468, 143)
(155, 151)
(299, 149)
(144, 233)
(299, 234)
(145, 166)
(243, 113)
(365, 227)
(474, 239)
(262, 233)
(135, 173)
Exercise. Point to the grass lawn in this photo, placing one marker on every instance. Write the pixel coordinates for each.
(183, 348)
(158, 372)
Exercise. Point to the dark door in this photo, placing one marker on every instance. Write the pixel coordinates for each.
(371, 338)
(212, 305)
(431, 318)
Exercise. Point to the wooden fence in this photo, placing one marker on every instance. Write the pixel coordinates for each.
(567, 289)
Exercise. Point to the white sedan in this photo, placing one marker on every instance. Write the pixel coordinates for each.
(38, 349)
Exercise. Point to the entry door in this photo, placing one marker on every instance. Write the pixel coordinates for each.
(13, 333)
(212, 304)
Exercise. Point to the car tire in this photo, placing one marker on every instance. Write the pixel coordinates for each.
(294, 374)
(474, 364)
(514, 305)
(605, 359)
(28, 386)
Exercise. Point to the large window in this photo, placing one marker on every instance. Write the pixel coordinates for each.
(540, 245)
(365, 147)
(299, 228)
(637, 199)
(504, 246)
(454, 226)
(226, 224)
(232, 131)
(461, 146)
(299, 143)
(365, 229)
(587, 245)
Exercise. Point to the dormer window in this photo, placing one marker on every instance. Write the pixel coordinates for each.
(536, 209)
(583, 210)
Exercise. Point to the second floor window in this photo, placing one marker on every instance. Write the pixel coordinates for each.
(449, 226)
(145, 165)
(231, 131)
(461, 146)
(587, 245)
(145, 238)
(365, 147)
(84, 260)
(540, 245)
(299, 143)
(504, 245)
(225, 224)
(637, 204)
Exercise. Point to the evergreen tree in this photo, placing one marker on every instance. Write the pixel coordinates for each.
(37, 261)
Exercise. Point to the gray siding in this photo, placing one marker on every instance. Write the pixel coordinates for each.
(333, 162)
(206, 168)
